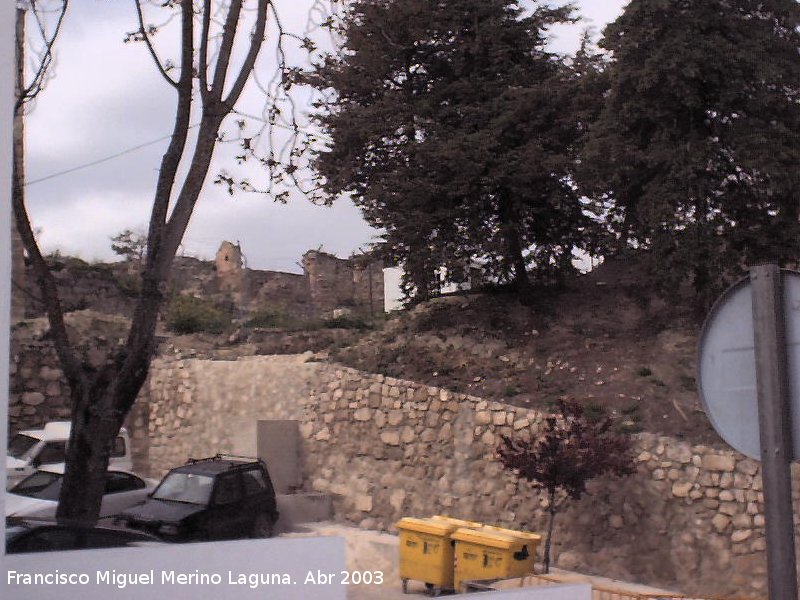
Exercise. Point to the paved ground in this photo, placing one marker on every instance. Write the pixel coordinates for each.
(378, 552)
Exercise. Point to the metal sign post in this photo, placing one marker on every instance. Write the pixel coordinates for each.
(775, 428)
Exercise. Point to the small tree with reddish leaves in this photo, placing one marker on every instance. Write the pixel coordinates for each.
(570, 451)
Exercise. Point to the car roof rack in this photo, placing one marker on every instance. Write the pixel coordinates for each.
(237, 457)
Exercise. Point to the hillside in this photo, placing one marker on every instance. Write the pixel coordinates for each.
(602, 341)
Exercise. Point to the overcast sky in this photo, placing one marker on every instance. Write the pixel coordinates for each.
(106, 98)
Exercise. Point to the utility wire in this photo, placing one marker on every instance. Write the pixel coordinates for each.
(134, 149)
(101, 160)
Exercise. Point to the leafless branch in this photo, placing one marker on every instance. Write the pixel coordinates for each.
(144, 35)
(27, 92)
(202, 70)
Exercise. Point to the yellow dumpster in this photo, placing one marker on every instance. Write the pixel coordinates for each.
(426, 552)
(482, 554)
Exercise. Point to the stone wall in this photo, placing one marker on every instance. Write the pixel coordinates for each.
(38, 391)
(104, 288)
(338, 283)
(18, 300)
(691, 517)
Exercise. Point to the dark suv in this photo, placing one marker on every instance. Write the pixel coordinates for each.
(222, 497)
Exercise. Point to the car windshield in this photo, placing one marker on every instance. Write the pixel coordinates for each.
(42, 485)
(185, 487)
(20, 444)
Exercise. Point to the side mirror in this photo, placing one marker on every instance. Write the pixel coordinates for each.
(36, 462)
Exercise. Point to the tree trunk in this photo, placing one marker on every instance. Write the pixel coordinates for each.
(101, 398)
(551, 509)
(513, 244)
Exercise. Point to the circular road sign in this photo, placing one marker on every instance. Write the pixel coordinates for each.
(726, 366)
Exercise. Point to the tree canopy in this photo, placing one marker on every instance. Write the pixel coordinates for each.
(694, 154)
(452, 127)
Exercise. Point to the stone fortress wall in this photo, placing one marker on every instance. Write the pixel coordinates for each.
(328, 283)
(691, 517)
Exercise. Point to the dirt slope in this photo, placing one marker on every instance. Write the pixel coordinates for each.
(603, 341)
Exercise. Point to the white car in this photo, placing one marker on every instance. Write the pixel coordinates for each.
(41, 448)
(37, 495)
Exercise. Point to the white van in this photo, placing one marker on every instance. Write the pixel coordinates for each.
(29, 450)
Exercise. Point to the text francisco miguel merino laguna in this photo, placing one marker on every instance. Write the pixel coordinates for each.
(122, 580)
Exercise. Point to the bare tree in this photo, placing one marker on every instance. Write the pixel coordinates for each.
(215, 63)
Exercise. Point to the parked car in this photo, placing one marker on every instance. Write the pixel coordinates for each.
(35, 448)
(37, 495)
(35, 536)
(222, 497)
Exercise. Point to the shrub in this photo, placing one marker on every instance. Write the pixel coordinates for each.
(129, 285)
(267, 318)
(187, 314)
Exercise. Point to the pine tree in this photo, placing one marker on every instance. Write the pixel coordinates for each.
(451, 129)
(697, 145)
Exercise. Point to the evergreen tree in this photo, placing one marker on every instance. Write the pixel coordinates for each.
(697, 146)
(451, 129)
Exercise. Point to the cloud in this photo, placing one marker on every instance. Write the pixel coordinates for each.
(107, 97)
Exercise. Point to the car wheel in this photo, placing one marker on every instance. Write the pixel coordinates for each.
(263, 526)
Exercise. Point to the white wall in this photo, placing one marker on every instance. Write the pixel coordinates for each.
(392, 296)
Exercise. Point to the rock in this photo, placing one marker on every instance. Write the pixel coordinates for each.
(32, 398)
(483, 417)
(680, 453)
(363, 503)
(740, 535)
(390, 438)
(395, 417)
(742, 521)
(719, 462)
(363, 414)
(396, 499)
(681, 489)
(407, 435)
(615, 521)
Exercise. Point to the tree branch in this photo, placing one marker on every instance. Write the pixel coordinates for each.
(172, 157)
(203, 59)
(27, 93)
(252, 54)
(224, 58)
(146, 39)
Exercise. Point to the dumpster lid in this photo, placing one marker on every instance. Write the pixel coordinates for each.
(457, 522)
(522, 535)
(430, 526)
(482, 537)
